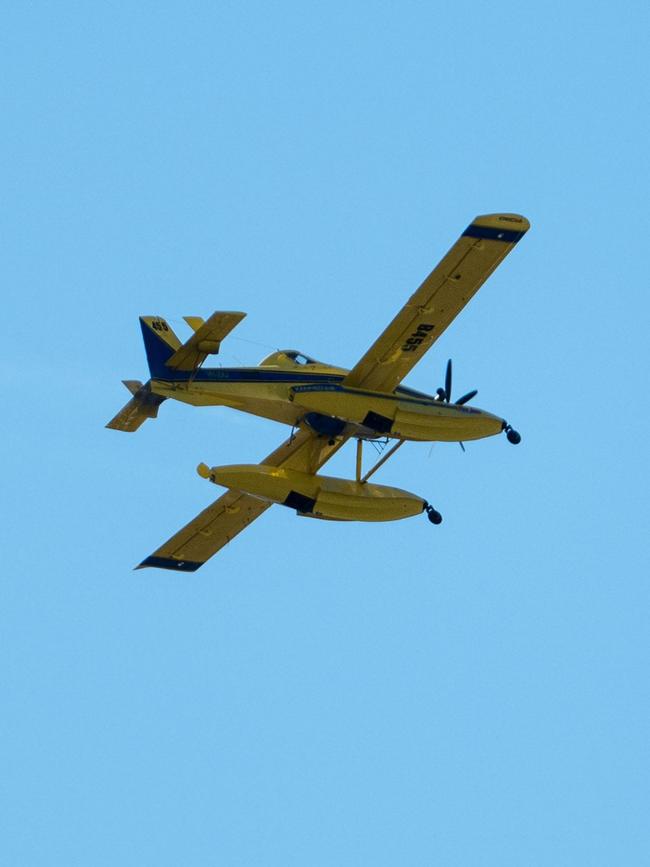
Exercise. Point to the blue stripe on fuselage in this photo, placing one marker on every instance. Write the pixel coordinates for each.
(297, 378)
(246, 374)
(405, 394)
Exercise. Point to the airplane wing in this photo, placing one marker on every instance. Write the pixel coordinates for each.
(206, 534)
(444, 293)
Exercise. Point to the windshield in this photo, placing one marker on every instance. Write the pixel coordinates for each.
(298, 357)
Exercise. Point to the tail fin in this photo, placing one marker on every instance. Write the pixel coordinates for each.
(143, 405)
(160, 343)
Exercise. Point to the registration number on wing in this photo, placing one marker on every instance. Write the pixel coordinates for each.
(417, 337)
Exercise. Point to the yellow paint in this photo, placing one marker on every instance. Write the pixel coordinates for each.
(334, 499)
(325, 405)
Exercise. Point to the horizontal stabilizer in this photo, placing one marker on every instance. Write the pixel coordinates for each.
(205, 341)
(143, 405)
(133, 385)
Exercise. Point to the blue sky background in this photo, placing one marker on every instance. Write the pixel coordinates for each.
(324, 694)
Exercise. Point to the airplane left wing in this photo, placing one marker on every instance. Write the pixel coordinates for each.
(444, 293)
(206, 534)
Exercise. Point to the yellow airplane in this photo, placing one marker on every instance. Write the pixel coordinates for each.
(324, 405)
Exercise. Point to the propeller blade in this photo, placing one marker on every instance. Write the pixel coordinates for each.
(466, 397)
(461, 444)
(448, 381)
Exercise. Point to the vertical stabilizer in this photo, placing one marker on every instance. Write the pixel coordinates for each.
(160, 343)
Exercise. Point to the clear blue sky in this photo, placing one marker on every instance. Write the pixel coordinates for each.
(325, 694)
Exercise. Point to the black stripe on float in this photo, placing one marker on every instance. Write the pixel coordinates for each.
(300, 502)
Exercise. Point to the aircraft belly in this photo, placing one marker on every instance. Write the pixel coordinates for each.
(268, 400)
(343, 404)
(411, 420)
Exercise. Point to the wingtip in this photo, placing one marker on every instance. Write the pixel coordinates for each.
(172, 563)
(510, 221)
(508, 228)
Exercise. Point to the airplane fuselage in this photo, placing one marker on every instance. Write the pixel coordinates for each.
(315, 394)
(324, 405)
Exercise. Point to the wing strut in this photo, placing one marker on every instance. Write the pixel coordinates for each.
(359, 458)
(381, 460)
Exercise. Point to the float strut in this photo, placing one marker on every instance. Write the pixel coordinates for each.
(359, 458)
(382, 461)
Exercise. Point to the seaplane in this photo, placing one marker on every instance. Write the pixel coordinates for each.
(325, 406)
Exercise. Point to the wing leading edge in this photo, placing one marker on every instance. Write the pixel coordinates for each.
(215, 526)
(440, 298)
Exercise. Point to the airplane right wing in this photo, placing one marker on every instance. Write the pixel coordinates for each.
(206, 534)
(444, 293)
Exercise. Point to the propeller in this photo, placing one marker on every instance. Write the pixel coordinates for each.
(444, 394)
(466, 397)
(448, 381)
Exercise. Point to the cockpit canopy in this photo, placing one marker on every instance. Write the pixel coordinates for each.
(287, 358)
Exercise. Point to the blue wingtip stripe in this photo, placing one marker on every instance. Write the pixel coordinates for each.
(170, 563)
(508, 236)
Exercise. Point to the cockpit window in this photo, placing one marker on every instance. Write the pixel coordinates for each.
(298, 357)
(285, 358)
